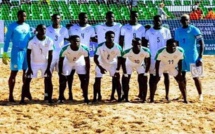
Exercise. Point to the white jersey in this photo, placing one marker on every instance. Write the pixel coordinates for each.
(131, 31)
(108, 56)
(136, 59)
(157, 39)
(103, 28)
(40, 49)
(85, 33)
(57, 35)
(169, 60)
(72, 56)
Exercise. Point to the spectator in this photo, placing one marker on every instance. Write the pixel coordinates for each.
(161, 12)
(210, 14)
(196, 5)
(199, 13)
(194, 15)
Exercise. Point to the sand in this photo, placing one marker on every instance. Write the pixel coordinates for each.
(109, 117)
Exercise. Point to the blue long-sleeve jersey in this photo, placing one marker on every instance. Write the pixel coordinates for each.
(19, 34)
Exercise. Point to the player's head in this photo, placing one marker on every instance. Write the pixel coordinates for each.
(171, 45)
(75, 41)
(83, 18)
(56, 19)
(21, 15)
(136, 42)
(157, 21)
(109, 36)
(41, 29)
(185, 19)
(110, 16)
(134, 16)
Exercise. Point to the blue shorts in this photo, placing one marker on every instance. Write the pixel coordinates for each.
(18, 60)
(189, 58)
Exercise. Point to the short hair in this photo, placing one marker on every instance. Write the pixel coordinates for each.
(109, 32)
(133, 12)
(55, 15)
(20, 12)
(171, 41)
(185, 15)
(109, 13)
(73, 37)
(81, 14)
(136, 39)
(39, 26)
(156, 17)
(161, 4)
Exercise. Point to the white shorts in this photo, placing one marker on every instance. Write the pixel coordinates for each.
(36, 68)
(171, 71)
(68, 67)
(54, 65)
(111, 68)
(130, 68)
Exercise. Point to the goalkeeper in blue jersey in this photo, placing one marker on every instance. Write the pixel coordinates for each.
(188, 36)
(19, 33)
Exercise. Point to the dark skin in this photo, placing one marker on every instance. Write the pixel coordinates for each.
(141, 78)
(115, 79)
(185, 21)
(84, 78)
(12, 79)
(157, 22)
(83, 21)
(133, 21)
(47, 80)
(171, 48)
(110, 20)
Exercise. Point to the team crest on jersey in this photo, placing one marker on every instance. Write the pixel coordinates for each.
(24, 31)
(46, 45)
(175, 56)
(113, 52)
(142, 55)
(15, 66)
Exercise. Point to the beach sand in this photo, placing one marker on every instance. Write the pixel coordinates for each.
(109, 117)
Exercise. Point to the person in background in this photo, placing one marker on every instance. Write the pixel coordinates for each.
(161, 12)
(194, 15)
(19, 33)
(210, 14)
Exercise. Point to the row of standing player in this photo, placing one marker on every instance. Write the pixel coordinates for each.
(155, 37)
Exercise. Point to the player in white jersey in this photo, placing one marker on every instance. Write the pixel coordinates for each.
(156, 37)
(69, 61)
(131, 30)
(58, 34)
(110, 25)
(169, 59)
(85, 31)
(107, 58)
(136, 58)
(39, 57)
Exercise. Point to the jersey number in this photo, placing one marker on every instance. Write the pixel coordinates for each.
(56, 38)
(184, 40)
(158, 39)
(134, 35)
(137, 61)
(171, 61)
(108, 57)
(74, 59)
(82, 35)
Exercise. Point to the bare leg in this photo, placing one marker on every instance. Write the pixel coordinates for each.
(166, 83)
(11, 83)
(97, 89)
(70, 81)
